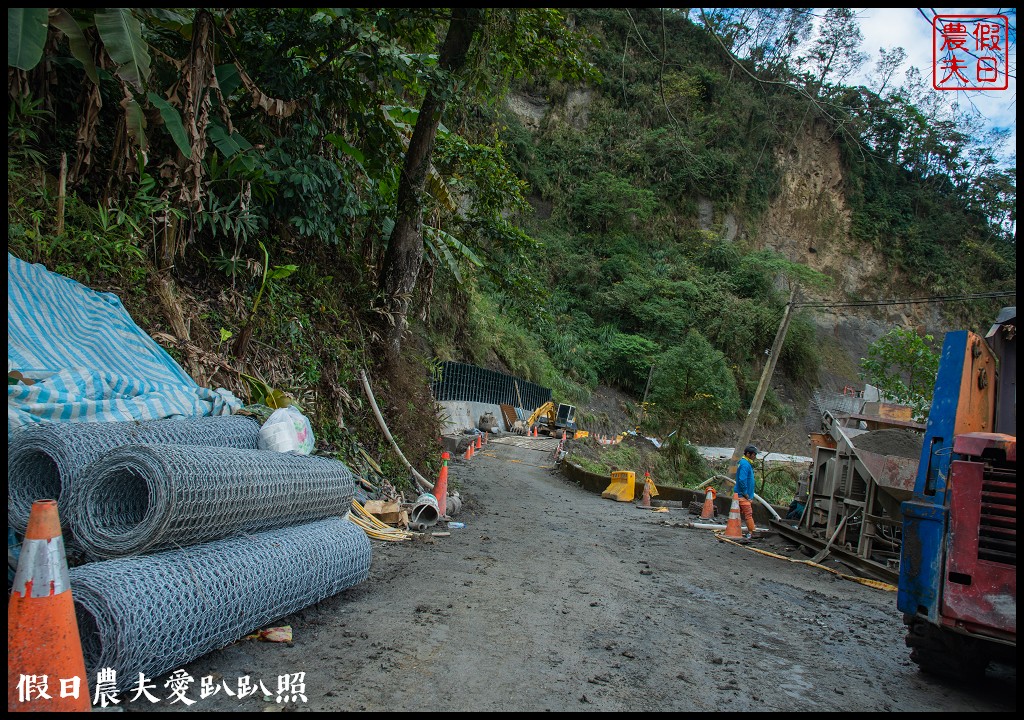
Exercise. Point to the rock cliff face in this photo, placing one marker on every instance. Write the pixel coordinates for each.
(807, 222)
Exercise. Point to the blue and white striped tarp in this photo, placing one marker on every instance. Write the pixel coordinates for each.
(89, 360)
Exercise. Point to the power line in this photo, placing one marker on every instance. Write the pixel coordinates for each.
(910, 301)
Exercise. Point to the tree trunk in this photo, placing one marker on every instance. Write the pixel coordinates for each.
(404, 254)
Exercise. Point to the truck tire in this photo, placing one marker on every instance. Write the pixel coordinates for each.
(944, 653)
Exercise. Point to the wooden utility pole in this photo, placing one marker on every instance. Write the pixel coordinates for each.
(643, 403)
(762, 386)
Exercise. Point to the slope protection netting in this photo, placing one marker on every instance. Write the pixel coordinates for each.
(152, 614)
(44, 460)
(142, 498)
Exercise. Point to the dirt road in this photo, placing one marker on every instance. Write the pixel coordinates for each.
(554, 599)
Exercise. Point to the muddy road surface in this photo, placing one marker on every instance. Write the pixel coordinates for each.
(554, 599)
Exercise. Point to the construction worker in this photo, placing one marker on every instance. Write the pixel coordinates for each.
(745, 487)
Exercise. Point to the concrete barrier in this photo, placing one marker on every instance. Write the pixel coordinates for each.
(458, 415)
(592, 482)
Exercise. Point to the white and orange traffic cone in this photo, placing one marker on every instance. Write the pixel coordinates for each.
(441, 486)
(708, 513)
(645, 499)
(469, 452)
(42, 632)
(733, 528)
(479, 443)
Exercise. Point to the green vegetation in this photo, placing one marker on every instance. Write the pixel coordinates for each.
(678, 464)
(250, 167)
(903, 365)
(680, 467)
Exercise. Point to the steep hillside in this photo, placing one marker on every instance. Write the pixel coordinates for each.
(678, 196)
(629, 216)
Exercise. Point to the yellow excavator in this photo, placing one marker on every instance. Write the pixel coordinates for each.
(558, 421)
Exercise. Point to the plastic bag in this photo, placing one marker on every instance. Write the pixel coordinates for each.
(287, 430)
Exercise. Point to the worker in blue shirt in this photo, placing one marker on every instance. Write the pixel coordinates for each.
(745, 487)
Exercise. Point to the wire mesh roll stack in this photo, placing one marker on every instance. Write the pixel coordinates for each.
(45, 460)
(154, 613)
(143, 498)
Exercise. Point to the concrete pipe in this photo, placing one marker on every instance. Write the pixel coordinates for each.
(425, 511)
(453, 505)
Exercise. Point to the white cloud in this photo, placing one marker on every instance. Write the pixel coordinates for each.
(909, 29)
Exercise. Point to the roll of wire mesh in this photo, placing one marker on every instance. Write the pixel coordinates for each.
(143, 498)
(45, 460)
(154, 613)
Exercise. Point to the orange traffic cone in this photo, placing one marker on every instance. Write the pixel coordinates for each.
(441, 486)
(479, 444)
(708, 513)
(645, 499)
(469, 452)
(44, 648)
(733, 528)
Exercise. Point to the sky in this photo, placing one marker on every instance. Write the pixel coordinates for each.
(911, 29)
(908, 28)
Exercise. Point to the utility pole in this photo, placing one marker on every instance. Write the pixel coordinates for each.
(643, 403)
(762, 387)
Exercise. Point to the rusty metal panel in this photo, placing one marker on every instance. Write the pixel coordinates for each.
(980, 582)
(889, 411)
(508, 414)
(975, 444)
(977, 401)
(821, 440)
(896, 475)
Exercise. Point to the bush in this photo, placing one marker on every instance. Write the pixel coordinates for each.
(692, 385)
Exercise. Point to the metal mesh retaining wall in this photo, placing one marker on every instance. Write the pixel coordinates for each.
(469, 383)
(44, 460)
(834, 402)
(154, 613)
(142, 498)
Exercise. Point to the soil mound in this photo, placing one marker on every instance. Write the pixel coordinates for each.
(901, 443)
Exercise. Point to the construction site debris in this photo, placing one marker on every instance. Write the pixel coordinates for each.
(453, 505)
(891, 441)
(272, 634)
(424, 512)
(287, 430)
(387, 511)
(377, 529)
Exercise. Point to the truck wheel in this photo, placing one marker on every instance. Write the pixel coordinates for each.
(944, 653)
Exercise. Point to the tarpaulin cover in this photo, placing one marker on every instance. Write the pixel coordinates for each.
(88, 359)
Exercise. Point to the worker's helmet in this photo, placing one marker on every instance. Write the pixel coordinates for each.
(750, 450)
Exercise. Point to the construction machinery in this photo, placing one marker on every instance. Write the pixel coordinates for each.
(863, 466)
(930, 508)
(958, 563)
(556, 420)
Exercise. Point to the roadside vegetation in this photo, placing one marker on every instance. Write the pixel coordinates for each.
(242, 179)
